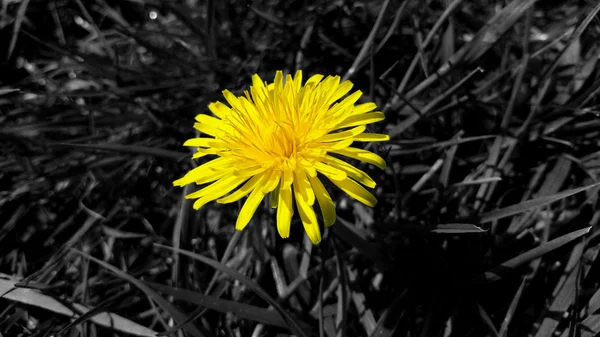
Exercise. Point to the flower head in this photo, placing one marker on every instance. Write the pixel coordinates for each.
(280, 139)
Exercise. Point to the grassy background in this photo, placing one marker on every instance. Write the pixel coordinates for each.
(487, 217)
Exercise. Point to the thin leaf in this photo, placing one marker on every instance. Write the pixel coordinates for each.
(152, 294)
(527, 205)
(535, 253)
(132, 149)
(241, 310)
(291, 321)
(457, 228)
(35, 298)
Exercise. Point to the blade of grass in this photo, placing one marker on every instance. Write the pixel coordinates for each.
(534, 253)
(132, 149)
(152, 294)
(527, 205)
(32, 297)
(511, 309)
(368, 42)
(293, 324)
(457, 228)
(17, 27)
(242, 310)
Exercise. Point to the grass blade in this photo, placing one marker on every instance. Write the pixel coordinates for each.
(535, 253)
(35, 298)
(527, 205)
(152, 294)
(291, 321)
(131, 149)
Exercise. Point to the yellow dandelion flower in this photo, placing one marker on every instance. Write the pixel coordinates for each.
(278, 139)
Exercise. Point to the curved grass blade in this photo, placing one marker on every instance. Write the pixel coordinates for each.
(33, 297)
(177, 315)
(293, 325)
(534, 253)
(241, 310)
(132, 149)
(529, 204)
(456, 228)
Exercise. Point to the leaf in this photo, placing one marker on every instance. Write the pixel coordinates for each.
(535, 253)
(177, 315)
(35, 298)
(456, 228)
(241, 310)
(527, 205)
(292, 323)
(132, 149)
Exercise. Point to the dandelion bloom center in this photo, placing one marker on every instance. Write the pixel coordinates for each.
(278, 139)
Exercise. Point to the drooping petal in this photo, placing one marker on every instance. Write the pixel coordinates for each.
(249, 208)
(242, 191)
(271, 181)
(362, 155)
(356, 191)
(353, 172)
(325, 202)
(331, 172)
(218, 188)
(302, 187)
(284, 212)
(309, 219)
(214, 191)
(203, 172)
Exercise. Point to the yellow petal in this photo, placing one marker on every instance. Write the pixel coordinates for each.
(298, 80)
(342, 144)
(303, 188)
(214, 191)
(278, 81)
(313, 80)
(210, 130)
(309, 219)
(341, 90)
(218, 188)
(272, 181)
(284, 212)
(249, 208)
(219, 109)
(352, 172)
(203, 172)
(287, 179)
(372, 137)
(325, 202)
(362, 155)
(242, 191)
(362, 119)
(362, 108)
(334, 137)
(198, 142)
(330, 172)
(356, 191)
(231, 99)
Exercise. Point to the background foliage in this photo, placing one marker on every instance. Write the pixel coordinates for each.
(487, 216)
